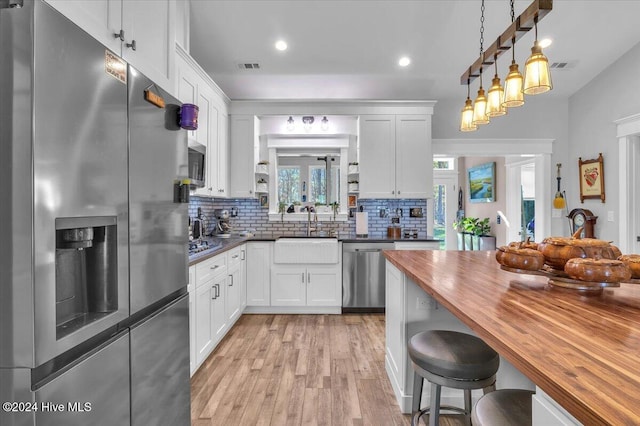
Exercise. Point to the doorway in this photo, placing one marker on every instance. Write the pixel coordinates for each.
(445, 190)
(628, 132)
(521, 199)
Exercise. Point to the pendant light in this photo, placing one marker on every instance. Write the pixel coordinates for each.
(537, 76)
(513, 94)
(480, 105)
(466, 122)
(495, 95)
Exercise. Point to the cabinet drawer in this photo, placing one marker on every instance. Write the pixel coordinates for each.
(234, 256)
(210, 268)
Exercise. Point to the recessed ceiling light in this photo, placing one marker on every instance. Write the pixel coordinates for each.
(281, 45)
(404, 61)
(545, 42)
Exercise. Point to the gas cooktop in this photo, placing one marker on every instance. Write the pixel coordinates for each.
(199, 246)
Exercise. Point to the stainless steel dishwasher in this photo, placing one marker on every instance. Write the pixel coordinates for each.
(363, 276)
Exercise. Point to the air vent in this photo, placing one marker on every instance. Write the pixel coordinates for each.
(562, 65)
(249, 66)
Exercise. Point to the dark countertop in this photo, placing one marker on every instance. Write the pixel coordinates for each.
(226, 244)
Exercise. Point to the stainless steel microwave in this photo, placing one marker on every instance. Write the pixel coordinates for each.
(197, 163)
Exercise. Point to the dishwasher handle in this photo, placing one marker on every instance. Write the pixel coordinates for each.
(368, 250)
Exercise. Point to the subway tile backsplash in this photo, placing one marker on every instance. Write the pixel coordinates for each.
(253, 217)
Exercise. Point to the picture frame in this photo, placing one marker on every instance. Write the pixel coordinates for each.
(352, 201)
(591, 178)
(264, 200)
(481, 181)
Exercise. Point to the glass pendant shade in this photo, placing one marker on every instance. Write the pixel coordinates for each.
(537, 78)
(480, 108)
(466, 123)
(513, 94)
(494, 99)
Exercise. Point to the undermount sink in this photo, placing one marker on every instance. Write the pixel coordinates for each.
(306, 250)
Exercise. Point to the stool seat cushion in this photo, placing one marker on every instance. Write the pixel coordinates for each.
(504, 407)
(453, 354)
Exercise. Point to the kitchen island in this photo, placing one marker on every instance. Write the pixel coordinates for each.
(583, 351)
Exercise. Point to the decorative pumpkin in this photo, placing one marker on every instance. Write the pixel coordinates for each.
(520, 258)
(633, 262)
(558, 250)
(598, 270)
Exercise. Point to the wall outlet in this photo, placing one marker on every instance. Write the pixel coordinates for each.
(609, 216)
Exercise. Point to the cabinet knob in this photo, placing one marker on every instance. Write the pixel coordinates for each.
(398, 192)
(119, 35)
(393, 192)
(231, 284)
(132, 45)
(303, 277)
(210, 189)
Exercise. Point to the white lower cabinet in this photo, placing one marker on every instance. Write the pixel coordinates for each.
(258, 273)
(217, 299)
(295, 285)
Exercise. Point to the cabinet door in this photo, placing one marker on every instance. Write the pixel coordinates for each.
(100, 18)
(377, 156)
(394, 324)
(243, 278)
(324, 286)
(191, 287)
(204, 320)
(258, 274)
(219, 321)
(232, 302)
(414, 159)
(242, 156)
(222, 160)
(288, 286)
(149, 23)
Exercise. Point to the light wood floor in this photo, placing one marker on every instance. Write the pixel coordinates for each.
(298, 370)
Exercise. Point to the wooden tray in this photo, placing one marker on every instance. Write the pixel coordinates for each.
(559, 278)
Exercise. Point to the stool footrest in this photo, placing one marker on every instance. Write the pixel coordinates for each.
(415, 418)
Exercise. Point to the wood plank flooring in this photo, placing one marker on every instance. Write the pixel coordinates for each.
(299, 370)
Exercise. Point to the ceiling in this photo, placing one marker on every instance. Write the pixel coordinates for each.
(344, 49)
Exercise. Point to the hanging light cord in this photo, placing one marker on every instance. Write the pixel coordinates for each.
(482, 36)
(513, 39)
(469, 87)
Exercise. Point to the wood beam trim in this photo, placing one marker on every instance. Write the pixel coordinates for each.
(519, 27)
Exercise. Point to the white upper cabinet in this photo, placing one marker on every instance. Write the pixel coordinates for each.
(141, 31)
(149, 38)
(194, 86)
(414, 157)
(243, 156)
(377, 156)
(396, 159)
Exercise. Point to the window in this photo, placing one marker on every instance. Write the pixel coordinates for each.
(288, 184)
(318, 184)
(442, 163)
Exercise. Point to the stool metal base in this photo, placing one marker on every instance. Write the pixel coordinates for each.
(488, 384)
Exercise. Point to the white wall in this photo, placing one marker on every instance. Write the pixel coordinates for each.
(613, 94)
(541, 117)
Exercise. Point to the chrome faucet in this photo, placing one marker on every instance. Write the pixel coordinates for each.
(315, 219)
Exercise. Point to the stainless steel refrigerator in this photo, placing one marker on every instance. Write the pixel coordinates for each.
(93, 232)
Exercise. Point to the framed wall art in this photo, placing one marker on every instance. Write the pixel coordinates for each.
(352, 201)
(591, 178)
(482, 183)
(264, 200)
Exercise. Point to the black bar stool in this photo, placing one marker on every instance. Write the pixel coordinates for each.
(504, 407)
(454, 360)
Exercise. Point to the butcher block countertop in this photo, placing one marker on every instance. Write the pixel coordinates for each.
(584, 351)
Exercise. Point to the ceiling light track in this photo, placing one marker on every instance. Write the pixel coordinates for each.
(524, 23)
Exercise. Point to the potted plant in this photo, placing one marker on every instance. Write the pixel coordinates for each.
(353, 167)
(482, 238)
(261, 185)
(262, 167)
(354, 186)
(465, 227)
